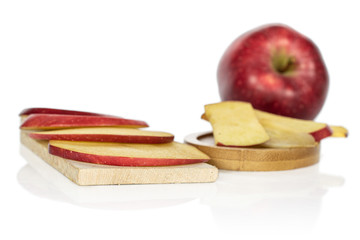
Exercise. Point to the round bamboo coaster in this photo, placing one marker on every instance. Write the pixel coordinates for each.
(252, 158)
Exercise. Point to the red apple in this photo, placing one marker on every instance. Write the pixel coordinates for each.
(277, 70)
(59, 121)
(29, 111)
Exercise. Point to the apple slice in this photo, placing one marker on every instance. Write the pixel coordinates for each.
(339, 131)
(280, 138)
(234, 123)
(128, 154)
(317, 130)
(105, 134)
(59, 121)
(269, 120)
(29, 111)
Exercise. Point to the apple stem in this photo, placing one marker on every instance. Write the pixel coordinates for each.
(283, 64)
(289, 66)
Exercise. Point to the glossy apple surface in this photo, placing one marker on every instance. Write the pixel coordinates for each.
(132, 154)
(277, 70)
(59, 121)
(105, 134)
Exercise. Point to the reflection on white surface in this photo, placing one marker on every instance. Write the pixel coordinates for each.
(236, 198)
(43, 180)
(271, 199)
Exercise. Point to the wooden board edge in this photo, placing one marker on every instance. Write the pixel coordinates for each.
(40, 149)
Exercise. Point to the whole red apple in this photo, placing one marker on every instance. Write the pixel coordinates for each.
(277, 69)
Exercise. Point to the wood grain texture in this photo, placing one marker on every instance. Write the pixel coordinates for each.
(96, 174)
(252, 158)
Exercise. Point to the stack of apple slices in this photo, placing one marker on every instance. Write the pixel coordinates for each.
(105, 139)
(238, 124)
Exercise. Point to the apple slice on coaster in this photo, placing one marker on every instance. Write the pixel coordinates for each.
(132, 154)
(280, 138)
(283, 138)
(105, 134)
(339, 131)
(59, 121)
(29, 111)
(235, 124)
(317, 130)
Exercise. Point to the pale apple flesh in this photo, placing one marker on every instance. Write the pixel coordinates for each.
(60, 121)
(280, 138)
(123, 154)
(29, 111)
(105, 134)
(339, 131)
(318, 130)
(283, 138)
(235, 124)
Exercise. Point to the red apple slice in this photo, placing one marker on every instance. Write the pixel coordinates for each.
(29, 111)
(132, 154)
(339, 131)
(105, 134)
(59, 121)
(316, 129)
(234, 123)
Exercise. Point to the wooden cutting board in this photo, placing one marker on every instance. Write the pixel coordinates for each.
(83, 173)
(253, 159)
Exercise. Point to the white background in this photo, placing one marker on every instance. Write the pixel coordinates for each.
(156, 61)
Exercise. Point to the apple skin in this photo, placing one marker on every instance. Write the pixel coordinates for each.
(60, 121)
(277, 70)
(322, 133)
(28, 111)
(104, 138)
